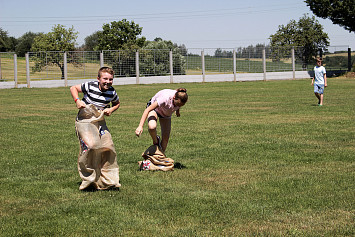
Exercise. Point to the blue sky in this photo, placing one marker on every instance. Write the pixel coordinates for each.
(195, 23)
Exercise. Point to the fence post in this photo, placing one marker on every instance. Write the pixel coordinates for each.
(264, 64)
(15, 70)
(203, 65)
(101, 59)
(28, 80)
(137, 67)
(0, 68)
(171, 66)
(293, 63)
(349, 59)
(235, 65)
(65, 70)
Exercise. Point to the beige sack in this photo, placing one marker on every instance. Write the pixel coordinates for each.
(155, 159)
(97, 160)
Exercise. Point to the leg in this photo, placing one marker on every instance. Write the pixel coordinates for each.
(318, 97)
(165, 124)
(152, 125)
(88, 159)
(321, 99)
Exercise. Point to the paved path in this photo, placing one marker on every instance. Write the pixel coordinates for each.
(166, 79)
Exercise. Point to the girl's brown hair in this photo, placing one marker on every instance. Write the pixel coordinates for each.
(181, 94)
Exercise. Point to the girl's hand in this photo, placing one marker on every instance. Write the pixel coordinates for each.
(139, 131)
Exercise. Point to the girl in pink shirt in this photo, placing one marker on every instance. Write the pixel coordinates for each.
(162, 105)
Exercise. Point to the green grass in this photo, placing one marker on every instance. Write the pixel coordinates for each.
(261, 160)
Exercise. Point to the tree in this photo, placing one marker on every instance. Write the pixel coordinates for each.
(306, 33)
(340, 12)
(7, 43)
(156, 57)
(59, 40)
(91, 42)
(119, 34)
(25, 42)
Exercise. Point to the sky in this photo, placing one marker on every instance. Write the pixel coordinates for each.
(194, 23)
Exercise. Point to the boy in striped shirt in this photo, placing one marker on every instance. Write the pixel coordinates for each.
(97, 160)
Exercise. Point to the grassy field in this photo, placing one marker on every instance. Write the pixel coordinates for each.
(260, 159)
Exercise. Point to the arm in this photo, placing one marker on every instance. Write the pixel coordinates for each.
(115, 106)
(151, 107)
(74, 90)
(312, 81)
(325, 80)
(177, 113)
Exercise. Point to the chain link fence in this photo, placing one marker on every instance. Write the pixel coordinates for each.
(163, 62)
(7, 67)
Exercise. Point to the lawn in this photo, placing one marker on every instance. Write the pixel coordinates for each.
(259, 159)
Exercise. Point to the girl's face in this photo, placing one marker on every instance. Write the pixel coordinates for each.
(177, 102)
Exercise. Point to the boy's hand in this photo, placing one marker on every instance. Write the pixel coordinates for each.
(107, 112)
(80, 104)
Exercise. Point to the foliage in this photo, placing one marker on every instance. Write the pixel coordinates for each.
(340, 12)
(25, 42)
(7, 43)
(307, 32)
(91, 42)
(119, 34)
(259, 162)
(156, 58)
(59, 40)
(335, 62)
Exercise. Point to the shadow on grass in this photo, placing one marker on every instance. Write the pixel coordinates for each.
(178, 165)
(93, 188)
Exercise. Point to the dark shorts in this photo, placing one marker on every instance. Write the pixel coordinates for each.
(149, 103)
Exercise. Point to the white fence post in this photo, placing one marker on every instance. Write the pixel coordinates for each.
(101, 59)
(28, 79)
(137, 67)
(264, 64)
(203, 65)
(15, 70)
(171, 66)
(65, 70)
(235, 65)
(293, 63)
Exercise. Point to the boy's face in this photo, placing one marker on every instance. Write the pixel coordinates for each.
(105, 81)
(319, 63)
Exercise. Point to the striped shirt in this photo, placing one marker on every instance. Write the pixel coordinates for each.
(93, 95)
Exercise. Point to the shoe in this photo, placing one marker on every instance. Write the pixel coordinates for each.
(159, 144)
(320, 105)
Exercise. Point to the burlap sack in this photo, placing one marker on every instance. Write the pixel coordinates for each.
(97, 160)
(155, 159)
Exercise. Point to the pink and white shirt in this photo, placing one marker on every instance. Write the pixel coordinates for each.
(165, 102)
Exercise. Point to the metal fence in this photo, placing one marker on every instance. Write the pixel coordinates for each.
(161, 62)
(7, 66)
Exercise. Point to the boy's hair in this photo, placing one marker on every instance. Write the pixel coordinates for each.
(105, 69)
(181, 94)
(319, 59)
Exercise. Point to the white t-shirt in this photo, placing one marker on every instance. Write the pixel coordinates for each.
(165, 102)
(319, 75)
